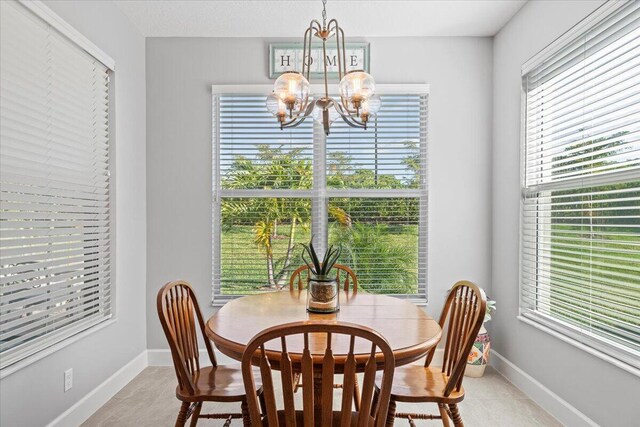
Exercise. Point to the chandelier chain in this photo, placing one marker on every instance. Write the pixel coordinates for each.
(324, 13)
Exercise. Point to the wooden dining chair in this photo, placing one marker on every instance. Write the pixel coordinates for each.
(464, 312)
(180, 316)
(345, 277)
(270, 346)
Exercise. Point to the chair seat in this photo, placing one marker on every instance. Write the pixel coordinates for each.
(336, 419)
(222, 383)
(415, 383)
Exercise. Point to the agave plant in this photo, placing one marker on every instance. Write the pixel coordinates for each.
(320, 269)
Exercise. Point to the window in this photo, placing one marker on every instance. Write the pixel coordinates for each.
(55, 231)
(580, 251)
(363, 190)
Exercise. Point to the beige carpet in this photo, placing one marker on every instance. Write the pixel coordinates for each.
(149, 400)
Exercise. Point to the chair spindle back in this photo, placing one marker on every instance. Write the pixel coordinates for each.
(323, 364)
(464, 312)
(179, 313)
(345, 277)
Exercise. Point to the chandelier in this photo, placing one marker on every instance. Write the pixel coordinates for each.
(290, 101)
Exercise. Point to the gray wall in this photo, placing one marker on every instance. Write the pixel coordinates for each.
(33, 396)
(603, 392)
(179, 74)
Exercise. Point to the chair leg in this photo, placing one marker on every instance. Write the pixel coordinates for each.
(195, 414)
(356, 394)
(246, 417)
(444, 414)
(455, 415)
(182, 415)
(391, 414)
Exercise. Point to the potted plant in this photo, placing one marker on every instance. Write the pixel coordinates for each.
(322, 290)
(479, 355)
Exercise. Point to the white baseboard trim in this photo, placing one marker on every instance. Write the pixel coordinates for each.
(562, 410)
(89, 404)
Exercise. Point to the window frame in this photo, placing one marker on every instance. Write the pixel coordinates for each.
(618, 355)
(62, 340)
(319, 176)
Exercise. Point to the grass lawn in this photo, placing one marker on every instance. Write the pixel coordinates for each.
(244, 266)
(602, 278)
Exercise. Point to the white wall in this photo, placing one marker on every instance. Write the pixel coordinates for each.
(604, 393)
(33, 396)
(179, 74)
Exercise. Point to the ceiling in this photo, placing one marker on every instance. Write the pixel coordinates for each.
(286, 18)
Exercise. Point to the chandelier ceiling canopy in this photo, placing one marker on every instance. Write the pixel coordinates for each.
(291, 103)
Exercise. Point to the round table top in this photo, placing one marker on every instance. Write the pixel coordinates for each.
(410, 331)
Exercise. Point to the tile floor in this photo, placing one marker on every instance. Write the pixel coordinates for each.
(149, 400)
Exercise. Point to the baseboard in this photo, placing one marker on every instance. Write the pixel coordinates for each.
(89, 404)
(562, 410)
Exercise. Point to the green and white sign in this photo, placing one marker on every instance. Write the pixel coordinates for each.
(288, 57)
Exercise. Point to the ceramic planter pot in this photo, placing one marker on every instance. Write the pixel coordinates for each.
(322, 295)
(479, 355)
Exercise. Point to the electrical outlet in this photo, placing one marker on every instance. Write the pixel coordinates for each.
(68, 379)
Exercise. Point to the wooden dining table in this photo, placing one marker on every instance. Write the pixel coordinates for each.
(410, 331)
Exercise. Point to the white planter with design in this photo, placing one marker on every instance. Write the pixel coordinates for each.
(479, 355)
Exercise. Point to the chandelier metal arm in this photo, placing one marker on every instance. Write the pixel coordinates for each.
(318, 24)
(305, 64)
(314, 25)
(324, 61)
(353, 122)
(340, 46)
(293, 123)
(348, 119)
(345, 105)
(301, 116)
(341, 108)
(304, 108)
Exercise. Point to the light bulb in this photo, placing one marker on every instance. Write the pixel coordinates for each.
(357, 85)
(371, 105)
(293, 90)
(275, 105)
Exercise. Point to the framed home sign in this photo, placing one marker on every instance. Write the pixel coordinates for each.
(288, 57)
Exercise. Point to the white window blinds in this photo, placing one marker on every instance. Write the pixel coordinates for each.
(54, 186)
(580, 269)
(262, 196)
(364, 190)
(378, 178)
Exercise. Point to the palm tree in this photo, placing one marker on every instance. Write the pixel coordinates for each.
(273, 168)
